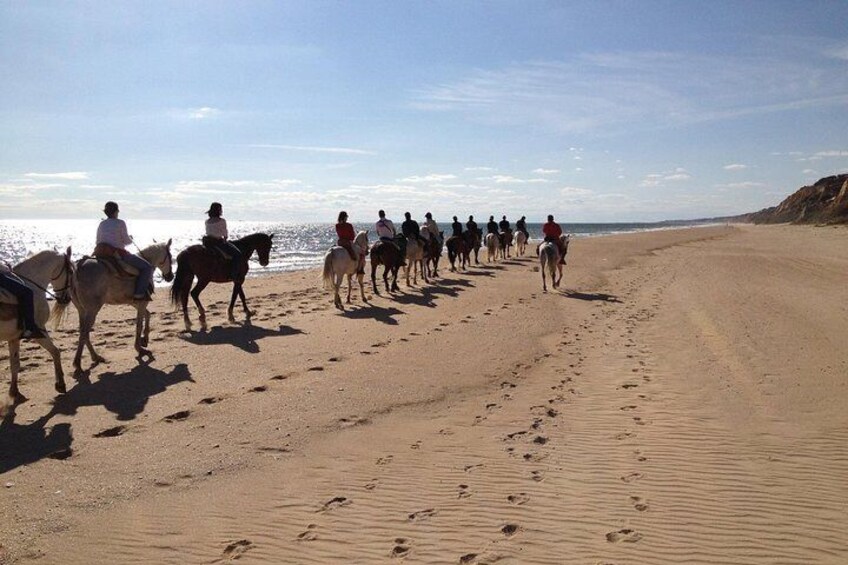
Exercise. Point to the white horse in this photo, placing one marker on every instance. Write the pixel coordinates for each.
(337, 264)
(415, 255)
(95, 284)
(520, 243)
(492, 245)
(549, 258)
(37, 272)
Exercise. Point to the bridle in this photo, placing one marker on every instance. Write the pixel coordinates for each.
(65, 268)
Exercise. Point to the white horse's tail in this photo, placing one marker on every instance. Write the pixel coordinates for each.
(328, 274)
(552, 252)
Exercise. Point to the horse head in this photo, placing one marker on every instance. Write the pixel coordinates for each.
(361, 241)
(62, 283)
(159, 255)
(263, 248)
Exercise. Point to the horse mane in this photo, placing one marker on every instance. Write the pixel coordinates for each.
(36, 257)
(251, 239)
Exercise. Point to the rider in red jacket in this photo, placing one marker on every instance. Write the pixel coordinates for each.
(346, 236)
(552, 233)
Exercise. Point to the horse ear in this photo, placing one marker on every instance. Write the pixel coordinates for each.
(271, 236)
(68, 252)
(169, 242)
(154, 240)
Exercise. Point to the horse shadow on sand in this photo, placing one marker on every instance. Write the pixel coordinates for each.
(428, 294)
(123, 394)
(244, 337)
(592, 296)
(373, 312)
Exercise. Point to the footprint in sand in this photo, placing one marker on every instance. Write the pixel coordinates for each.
(210, 400)
(625, 535)
(540, 440)
(316, 368)
(625, 435)
(467, 558)
(639, 503)
(537, 476)
(236, 549)
(510, 530)
(279, 377)
(627, 386)
(309, 535)
(334, 503)
(111, 432)
(353, 421)
(177, 416)
(631, 477)
(422, 515)
(260, 388)
(628, 407)
(401, 548)
(372, 484)
(385, 460)
(469, 468)
(514, 435)
(463, 492)
(518, 499)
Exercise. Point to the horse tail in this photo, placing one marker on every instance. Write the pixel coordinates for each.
(551, 255)
(57, 313)
(327, 274)
(182, 281)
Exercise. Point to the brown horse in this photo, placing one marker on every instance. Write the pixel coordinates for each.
(210, 266)
(434, 253)
(473, 241)
(388, 255)
(457, 249)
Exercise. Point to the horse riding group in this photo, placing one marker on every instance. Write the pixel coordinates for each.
(113, 275)
(418, 249)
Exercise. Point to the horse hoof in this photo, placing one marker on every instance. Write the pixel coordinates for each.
(60, 387)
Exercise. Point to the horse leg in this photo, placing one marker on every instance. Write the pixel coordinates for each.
(349, 286)
(184, 294)
(195, 296)
(139, 330)
(544, 284)
(15, 367)
(395, 286)
(374, 276)
(361, 277)
(424, 271)
(386, 276)
(51, 348)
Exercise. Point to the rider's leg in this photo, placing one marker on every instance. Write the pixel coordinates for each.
(145, 276)
(236, 254)
(27, 307)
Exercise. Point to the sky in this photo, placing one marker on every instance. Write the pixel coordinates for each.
(593, 111)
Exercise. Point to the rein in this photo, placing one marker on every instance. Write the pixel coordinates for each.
(56, 290)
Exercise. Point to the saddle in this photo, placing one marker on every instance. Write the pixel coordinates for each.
(114, 265)
(209, 243)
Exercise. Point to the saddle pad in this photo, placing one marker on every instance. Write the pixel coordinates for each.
(116, 267)
(7, 297)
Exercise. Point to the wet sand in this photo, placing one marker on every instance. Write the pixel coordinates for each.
(681, 400)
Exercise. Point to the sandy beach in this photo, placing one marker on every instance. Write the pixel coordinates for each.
(681, 399)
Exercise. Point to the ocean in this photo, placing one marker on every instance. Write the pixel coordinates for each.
(296, 246)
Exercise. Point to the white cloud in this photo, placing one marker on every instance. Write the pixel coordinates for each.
(545, 171)
(314, 149)
(620, 90)
(433, 177)
(203, 113)
(479, 169)
(735, 167)
(76, 175)
(832, 153)
(502, 179)
(741, 185)
(659, 179)
(810, 172)
(574, 192)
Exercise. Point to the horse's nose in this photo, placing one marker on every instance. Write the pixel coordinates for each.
(169, 277)
(264, 263)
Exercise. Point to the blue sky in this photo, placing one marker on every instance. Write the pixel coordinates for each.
(290, 111)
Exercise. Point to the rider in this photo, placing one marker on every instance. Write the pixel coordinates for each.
(431, 226)
(472, 226)
(504, 225)
(492, 226)
(410, 228)
(346, 236)
(456, 227)
(9, 281)
(112, 238)
(521, 225)
(216, 236)
(552, 231)
(386, 232)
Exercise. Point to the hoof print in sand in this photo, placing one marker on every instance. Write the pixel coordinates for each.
(468, 558)
(309, 535)
(111, 432)
(518, 499)
(422, 515)
(510, 530)
(625, 535)
(401, 548)
(177, 416)
(336, 502)
(236, 549)
(631, 477)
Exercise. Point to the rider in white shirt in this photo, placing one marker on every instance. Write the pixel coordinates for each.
(112, 238)
(385, 228)
(431, 226)
(216, 236)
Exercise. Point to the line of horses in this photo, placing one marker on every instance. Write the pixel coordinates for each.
(90, 283)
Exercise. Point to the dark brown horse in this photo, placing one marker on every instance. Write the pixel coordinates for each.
(434, 253)
(388, 255)
(209, 265)
(473, 241)
(457, 249)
